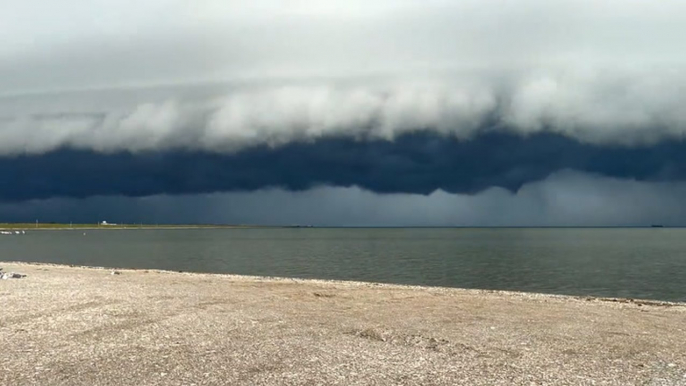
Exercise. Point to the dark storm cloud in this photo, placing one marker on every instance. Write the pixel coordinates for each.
(564, 198)
(412, 163)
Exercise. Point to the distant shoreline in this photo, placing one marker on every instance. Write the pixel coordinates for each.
(39, 226)
(61, 226)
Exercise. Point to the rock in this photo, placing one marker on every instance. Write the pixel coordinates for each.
(11, 275)
(115, 273)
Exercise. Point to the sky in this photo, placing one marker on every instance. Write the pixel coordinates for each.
(344, 113)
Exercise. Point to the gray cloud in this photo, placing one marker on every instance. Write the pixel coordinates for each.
(598, 72)
(626, 107)
(76, 43)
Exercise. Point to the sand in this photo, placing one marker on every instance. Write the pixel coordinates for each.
(83, 326)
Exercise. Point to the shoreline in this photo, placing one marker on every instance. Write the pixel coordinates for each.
(63, 325)
(61, 227)
(356, 283)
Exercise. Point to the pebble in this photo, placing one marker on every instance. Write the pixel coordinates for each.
(11, 275)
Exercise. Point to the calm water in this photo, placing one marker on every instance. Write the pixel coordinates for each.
(637, 263)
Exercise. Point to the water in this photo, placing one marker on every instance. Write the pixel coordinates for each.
(634, 263)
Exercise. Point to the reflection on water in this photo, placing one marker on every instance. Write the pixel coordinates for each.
(640, 263)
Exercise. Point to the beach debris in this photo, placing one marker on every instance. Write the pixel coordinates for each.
(373, 334)
(11, 275)
(115, 273)
(12, 232)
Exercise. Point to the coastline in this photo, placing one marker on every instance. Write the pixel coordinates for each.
(83, 325)
(77, 227)
(355, 283)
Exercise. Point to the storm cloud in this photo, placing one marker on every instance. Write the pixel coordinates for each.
(601, 108)
(417, 98)
(418, 163)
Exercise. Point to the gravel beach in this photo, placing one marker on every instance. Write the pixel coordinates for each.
(64, 325)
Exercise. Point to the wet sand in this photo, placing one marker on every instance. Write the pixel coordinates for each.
(83, 326)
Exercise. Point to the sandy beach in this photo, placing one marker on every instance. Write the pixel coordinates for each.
(85, 326)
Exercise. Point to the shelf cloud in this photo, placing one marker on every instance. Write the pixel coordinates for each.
(418, 163)
(599, 108)
(395, 97)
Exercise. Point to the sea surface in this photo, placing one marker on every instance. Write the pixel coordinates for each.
(645, 263)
